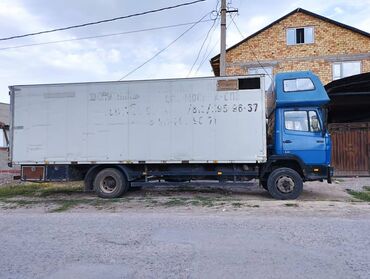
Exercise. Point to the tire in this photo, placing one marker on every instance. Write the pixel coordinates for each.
(285, 184)
(110, 183)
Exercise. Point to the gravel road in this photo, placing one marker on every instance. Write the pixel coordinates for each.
(182, 245)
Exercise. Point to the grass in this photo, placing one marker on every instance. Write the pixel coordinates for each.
(175, 202)
(38, 190)
(61, 196)
(203, 201)
(65, 196)
(23, 202)
(20, 190)
(237, 204)
(25, 195)
(363, 196)
(291, 204)
(65, 205)
(196, 201)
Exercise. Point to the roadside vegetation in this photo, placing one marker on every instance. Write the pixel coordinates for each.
(38, 190)
(60, 197)
(361, 195)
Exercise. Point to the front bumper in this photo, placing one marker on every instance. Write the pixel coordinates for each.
(319, 172)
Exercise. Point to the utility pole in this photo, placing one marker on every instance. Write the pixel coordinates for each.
(224, 11)
(223, 39)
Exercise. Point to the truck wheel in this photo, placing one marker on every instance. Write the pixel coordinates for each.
(110, 183)
(285, 184)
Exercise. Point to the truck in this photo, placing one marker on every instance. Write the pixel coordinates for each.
(114, 134)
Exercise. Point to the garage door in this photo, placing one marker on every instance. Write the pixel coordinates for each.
(351, 148)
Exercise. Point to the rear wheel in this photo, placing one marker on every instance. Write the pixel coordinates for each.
(285, 184)
(110, 183)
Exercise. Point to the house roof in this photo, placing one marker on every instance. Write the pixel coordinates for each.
(215, 60)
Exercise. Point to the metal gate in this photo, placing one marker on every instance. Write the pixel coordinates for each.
(350, 148)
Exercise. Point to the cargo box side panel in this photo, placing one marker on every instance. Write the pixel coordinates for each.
(149, 136)
(49, 124)
(108, 108)
(29, 126)
(240, 126)
(182, 120)
(194, 107)
(152, 121)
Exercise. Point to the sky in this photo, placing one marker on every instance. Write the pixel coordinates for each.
(113, 57)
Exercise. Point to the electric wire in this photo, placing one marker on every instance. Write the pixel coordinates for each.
(211, 50)
(101, 21)
(165, 48)
(201, 47)
(218, 18)
(251, 50)
(205, 53)
(104, 35)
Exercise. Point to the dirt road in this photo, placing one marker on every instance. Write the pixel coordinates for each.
(183, 245)
(184, 231)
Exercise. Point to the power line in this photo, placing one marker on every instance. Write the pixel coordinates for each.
(255, 56)
(201, 47)
(205, 55)
(101, 21)
(104, 35)
(162, 50)
(211, 50)
(214, 26)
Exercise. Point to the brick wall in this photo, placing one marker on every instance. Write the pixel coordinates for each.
(332, 43)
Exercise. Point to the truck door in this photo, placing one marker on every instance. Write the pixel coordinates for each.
(303, 136)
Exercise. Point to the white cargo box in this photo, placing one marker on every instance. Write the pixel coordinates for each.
(198, 120)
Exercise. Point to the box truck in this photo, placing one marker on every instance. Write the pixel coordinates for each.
(113, 134)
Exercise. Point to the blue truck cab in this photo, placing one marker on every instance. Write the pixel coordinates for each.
(299, 142)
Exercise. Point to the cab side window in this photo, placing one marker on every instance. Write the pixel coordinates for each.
(303, 121)
(296, 121)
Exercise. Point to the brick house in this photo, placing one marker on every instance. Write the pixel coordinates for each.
(301, 40)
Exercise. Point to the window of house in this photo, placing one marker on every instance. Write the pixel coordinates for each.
(303, 121)
(346, 69)
(267, 71)
(297, 36)
(298, 84)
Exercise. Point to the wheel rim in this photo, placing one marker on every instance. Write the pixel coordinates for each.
(108, 184)
(285, 184)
